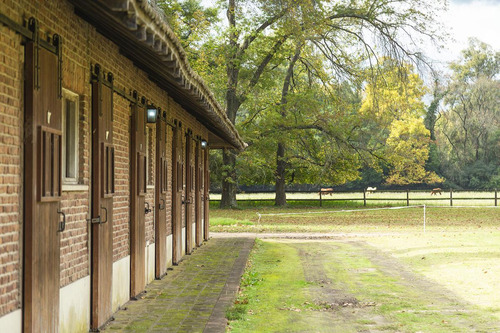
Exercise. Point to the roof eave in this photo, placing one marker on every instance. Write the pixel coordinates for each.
(151, 45)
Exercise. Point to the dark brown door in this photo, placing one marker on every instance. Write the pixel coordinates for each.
(188, 196)
(103, 187)
(198, 203)
(138, 183)
(42, 176)
(177, 185)
(206, 196)
(161, 189)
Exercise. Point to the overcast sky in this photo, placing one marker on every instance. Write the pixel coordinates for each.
(471, 18)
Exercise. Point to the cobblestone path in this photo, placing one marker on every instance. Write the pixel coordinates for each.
(193, 296)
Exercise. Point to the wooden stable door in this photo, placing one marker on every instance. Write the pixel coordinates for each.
(103, 188)
(177, 187)
(161, 190)
(206, 197)
(138, 209)
(199, 193)
(189, 194)
(42, 174)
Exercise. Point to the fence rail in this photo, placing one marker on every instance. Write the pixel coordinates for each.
(365, 197)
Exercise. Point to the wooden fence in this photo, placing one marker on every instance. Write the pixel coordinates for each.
(449, 198)
(407, 197)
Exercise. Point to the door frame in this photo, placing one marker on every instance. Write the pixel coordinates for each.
(42, 191)
(102, 191)
(177, 190)
(199, 192)
(206, 193)
(189, 192)
(161, 190)
(138, 190)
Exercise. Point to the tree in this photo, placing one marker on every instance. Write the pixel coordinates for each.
(394, 101)
(408, 151)
(344, 33)
(337, 32)
(468, 129)
(308, 136)
(190, 20)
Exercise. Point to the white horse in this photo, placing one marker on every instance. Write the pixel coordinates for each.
(371, 189)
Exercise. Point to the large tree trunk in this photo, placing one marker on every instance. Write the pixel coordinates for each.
(280, 199)
(281, 163)
(229, 181)
(233, 99)
(229, 185)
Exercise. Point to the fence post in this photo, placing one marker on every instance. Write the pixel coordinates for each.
(451, 197)
(320, 199)
(408, 197)
(364, 197)
(496, 198)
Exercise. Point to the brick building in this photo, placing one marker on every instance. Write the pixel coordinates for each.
(104, 137)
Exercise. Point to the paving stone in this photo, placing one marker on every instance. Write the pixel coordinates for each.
(194, 296)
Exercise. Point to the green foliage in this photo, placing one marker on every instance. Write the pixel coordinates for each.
(393, 101)
(290, 73)
(468, 135)
(408, 151)
(190, 20)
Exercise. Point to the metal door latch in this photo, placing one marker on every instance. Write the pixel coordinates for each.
(161, 206)
(95, 220)
(98, 220)
(147, 209)
(62, 225)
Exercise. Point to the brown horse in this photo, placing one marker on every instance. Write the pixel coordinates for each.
(323, 191)
(436, 191)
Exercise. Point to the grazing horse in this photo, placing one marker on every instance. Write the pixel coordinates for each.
(371, 189)
(328, 190)
(436, 191)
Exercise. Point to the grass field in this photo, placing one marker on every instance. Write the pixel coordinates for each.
(362, 220)
(377, 272)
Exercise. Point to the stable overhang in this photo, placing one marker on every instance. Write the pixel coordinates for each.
(144, 37)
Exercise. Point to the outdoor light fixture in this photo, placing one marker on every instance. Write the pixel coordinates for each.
(152, 113)
(204, 144)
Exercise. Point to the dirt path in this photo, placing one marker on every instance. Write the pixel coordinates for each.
(439, 299)
(355, 287)
(335, 295)
(331, 296)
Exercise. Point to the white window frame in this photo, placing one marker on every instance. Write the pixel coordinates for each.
(69, 95)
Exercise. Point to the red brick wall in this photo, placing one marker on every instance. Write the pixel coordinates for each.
(121, 199)
(11, 118)
(150, 194)
(83, 46)
(169, 177)
(74, 239)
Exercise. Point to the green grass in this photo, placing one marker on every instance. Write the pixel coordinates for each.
(296, 286)
(405, 280)
(271, 292)
(331, 220)
(464, 262)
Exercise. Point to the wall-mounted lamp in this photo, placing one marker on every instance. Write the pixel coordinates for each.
(204, 144)
(152, 113)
